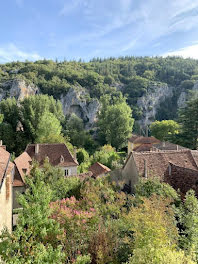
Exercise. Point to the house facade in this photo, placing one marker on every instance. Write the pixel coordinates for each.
(57, 154)
(178, 168)
(6, 180)
(23, 165)
(140, 143)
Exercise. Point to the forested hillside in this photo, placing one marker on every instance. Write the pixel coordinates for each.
(133, 76)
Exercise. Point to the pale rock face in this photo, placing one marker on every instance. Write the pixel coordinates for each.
(184, 96)
(18, 89)
(77, 102)
(181, 102)
(149, 102)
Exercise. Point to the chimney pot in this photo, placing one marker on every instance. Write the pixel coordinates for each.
(145, 169)
(36, 148)
(169, 169)
(75, 154)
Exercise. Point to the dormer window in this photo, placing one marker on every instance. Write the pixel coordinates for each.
(24, 171)
(62, 159)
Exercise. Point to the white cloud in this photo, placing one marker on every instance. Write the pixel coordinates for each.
(12, 53)
(186, 52)
(137, 23)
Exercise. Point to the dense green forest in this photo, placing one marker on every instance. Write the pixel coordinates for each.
(116, 83)
(131, 75)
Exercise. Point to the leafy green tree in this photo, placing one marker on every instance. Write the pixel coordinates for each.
(83, 160)
(149, 187)
(165, 129)
(188, 220)
(10, 111)
(48, 127)
(33, 108)
(73, 127)
(61, 186)
(115, 121)
(155, 234)
(188, 117)
(108, 156)
(36, 238)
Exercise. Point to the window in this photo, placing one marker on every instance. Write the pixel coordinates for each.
(66, 172)
(24, 171)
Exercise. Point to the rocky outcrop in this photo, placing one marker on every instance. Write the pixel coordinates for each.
(150, 102)
(18, 89)
(185, 95)
(77, 101)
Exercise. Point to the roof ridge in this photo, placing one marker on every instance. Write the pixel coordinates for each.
(184, 168)
(162, 151)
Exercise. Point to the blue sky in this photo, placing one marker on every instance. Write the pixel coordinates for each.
(73, 29)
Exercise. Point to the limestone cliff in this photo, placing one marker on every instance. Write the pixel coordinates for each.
(77, 101)
(185, 95)
(18, 89)
(150, 102)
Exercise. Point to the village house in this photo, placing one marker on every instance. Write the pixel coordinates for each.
(6, 180)
(57, 155)
(98, 170)
(23, 165)
(178, 168)
(140, 143)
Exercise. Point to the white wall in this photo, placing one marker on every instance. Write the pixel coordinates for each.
(72, 170)
(6, 204)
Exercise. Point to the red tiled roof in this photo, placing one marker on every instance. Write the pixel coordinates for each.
(23, 165)
(143, 147)
(5, 165)
(133, 137)
(181, 178)
(18, 183)
(157, 162)
(168, 146)
(98, 169)
(54, 152)
(143, 140)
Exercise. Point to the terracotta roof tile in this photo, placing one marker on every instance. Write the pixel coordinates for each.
(182, 178)
(144, 140)
(5, 165)
(143, 147)
(58, 154)
(168, 146)
(23, 165)
(133, 137)
(97, 169)
(18, 183)
(157, 162)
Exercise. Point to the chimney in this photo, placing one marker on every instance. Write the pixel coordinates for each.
(163, 144)
(177, 147)
(1, 143)
(36, 148)
(75, 154)
(169, 169)
(145, 169)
